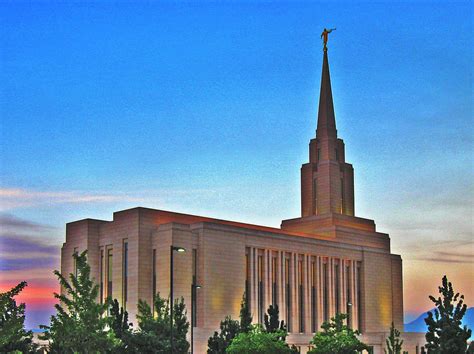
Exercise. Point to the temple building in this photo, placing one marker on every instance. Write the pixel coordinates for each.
(324, 262)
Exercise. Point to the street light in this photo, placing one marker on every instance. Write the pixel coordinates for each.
(194, 287)
(349, 307)
(180, 250)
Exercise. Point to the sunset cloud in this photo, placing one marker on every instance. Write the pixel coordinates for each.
(12, 198)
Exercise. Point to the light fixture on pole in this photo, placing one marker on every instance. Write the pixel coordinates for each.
(172, 250)
(194, 287)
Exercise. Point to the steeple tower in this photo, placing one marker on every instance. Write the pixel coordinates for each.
(327, 181)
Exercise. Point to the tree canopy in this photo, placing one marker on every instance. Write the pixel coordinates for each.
(336, 338)
(445, 332)
(13, 336)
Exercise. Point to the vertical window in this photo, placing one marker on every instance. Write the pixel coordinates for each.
(101, 272)
(301, 295)
(125, 273)
(313, 296)
(261, 310)
(348, 297)
(319, 154)
(247, 277)
(288, 294)
(342, 196)
(359, 298)
(274, 281)
(337, 287)
(337, 155)
(109, 272)
(153, 285)
(74, 262)
(325, 291)
(315, 196)
(194, 304)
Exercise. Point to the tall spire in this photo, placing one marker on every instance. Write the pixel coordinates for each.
(326, 117)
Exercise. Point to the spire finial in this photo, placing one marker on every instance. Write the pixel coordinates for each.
(324, 36)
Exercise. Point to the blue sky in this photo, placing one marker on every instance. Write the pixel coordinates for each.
(208, 107)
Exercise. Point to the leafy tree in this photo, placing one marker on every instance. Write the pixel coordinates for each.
(445, 332)
(218, 343)
(394, 344)
(245, 316)
(153, 335)
(258, 341)
(13, 336)
(337, 338)
(79, 325)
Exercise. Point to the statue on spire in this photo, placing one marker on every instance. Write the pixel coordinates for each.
(324, 36)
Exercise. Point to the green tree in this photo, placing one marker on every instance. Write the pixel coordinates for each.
(79, 325)
(218, 343)
(229, 328)
(336, 338)
(153, 334)
(272, 320)
(394, 344)
(258, 341)
(245, 316)
(13, 336)
(118, 320)
(445, 332)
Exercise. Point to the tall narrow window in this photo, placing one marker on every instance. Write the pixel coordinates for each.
(342, 196)
(74, 261)
(315, 196)
(153, 285)
(348, 297)
(125, 273)
(194, 304)
(247, 277)
(109, 272)
(337, 155)
(325, 291)
(301, 295)
(314, 312)
(261, 310)
(319, 154)
(288, 294)
(101, 272)
(274, 281)
(359, 298)
(337, 287)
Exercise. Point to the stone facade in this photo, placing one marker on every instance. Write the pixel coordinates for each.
(324, 262)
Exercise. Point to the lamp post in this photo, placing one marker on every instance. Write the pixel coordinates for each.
(194, 287)
(172, 249)
(349, 307)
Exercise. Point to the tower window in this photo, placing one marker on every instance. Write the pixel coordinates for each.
(315, 196)
(337, 155)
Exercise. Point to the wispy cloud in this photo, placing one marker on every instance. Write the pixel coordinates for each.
(12, 198)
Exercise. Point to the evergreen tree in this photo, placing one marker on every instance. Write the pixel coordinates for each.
(337, 338)
(118, 320)
(445, 332)
(79, 325)
(394, 344)
(218, 343)
(153, 335)
(272, 320)
(257, 341)
(13, 336)
(245, 316)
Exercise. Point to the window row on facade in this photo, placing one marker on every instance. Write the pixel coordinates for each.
(308, 289)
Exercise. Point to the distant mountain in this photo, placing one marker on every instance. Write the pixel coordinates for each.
(419, 324)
